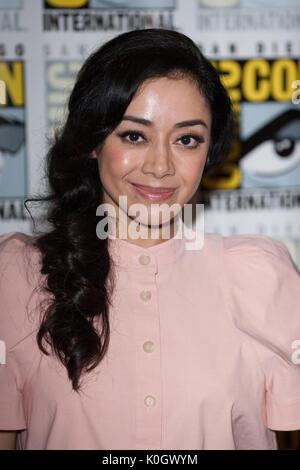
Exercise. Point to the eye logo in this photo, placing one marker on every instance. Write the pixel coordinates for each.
(272, 152)
(284, 147)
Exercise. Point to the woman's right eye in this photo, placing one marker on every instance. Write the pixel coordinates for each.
(133, 135)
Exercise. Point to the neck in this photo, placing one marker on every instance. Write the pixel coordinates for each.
(143, 235)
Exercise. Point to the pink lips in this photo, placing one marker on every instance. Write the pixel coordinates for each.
(154, 194)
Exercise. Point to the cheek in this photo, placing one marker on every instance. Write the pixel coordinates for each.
(191, 172)
(115, 163)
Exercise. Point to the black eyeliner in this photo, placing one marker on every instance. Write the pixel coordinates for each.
(139, 133)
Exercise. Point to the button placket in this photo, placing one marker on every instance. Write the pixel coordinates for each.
(148, 366)
(145, 294)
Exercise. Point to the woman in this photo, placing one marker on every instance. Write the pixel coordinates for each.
(139, 343)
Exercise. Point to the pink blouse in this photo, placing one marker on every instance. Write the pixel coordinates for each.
(204, 350)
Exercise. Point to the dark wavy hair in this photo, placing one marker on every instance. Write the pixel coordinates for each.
(75, 262)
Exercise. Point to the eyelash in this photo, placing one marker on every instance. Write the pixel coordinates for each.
(194, 136)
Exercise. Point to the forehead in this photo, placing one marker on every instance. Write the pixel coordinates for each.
(169, 97)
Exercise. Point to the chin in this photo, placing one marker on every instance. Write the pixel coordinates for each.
(157, 222)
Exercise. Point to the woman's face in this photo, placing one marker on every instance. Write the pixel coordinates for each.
(155, 145)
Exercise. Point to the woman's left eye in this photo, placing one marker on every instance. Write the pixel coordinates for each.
(188, 138)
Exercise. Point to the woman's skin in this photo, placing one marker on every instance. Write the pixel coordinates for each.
(159, 155)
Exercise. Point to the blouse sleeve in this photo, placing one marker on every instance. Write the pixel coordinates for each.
(263, 296)
(14, 329)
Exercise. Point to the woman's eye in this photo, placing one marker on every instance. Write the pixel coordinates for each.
(132, 136)
(186, 139)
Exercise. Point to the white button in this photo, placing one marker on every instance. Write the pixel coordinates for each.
(149, 400)
(145, 295)
(144, 259)
(148, 346)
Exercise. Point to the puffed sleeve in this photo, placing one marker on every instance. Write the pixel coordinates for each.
(15, 328)
(263, 297)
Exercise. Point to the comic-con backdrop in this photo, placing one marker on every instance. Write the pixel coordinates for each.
(254, 44)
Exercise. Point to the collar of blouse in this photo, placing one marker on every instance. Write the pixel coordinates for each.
(129, 256)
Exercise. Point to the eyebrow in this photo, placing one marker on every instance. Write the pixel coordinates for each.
(146, 122)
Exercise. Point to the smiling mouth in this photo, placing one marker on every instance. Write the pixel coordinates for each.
(153, 193)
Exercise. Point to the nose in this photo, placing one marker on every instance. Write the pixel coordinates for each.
(158, 160)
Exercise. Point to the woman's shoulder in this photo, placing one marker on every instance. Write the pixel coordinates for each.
(257, 265)
(262, 293)
(262, 289)
(19, 256)
(241, 250)
(12, 243)
(19, 277)
(257, 261)
(254, 244)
